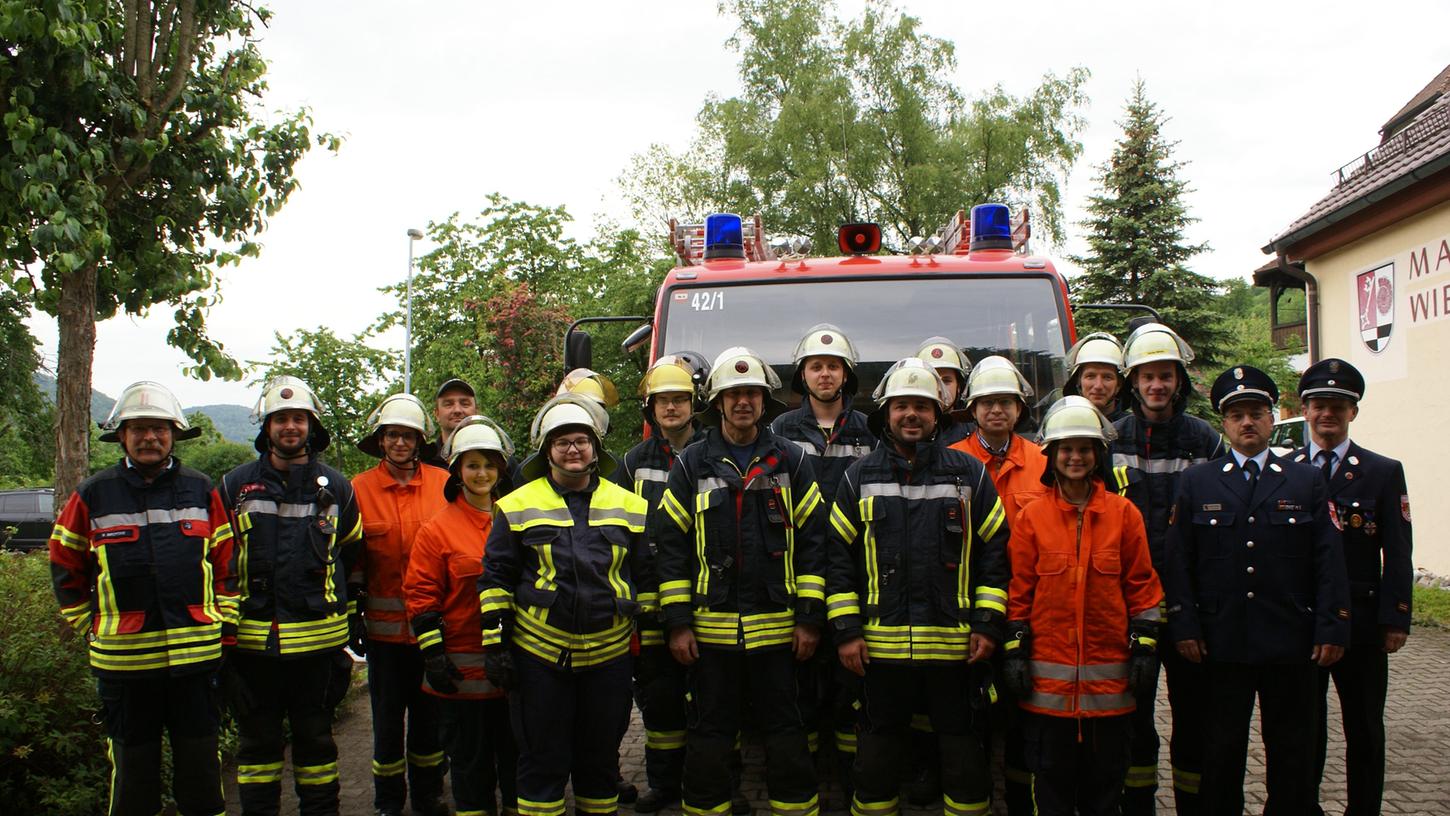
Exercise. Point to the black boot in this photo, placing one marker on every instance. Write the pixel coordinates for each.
(655, 799)
(628, 793)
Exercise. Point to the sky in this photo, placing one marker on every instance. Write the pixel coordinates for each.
(443, 102)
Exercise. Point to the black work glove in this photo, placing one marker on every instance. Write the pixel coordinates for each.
(1143, 665)
(498, 664)
(1016, 665)
(357, 635)
(442, 675)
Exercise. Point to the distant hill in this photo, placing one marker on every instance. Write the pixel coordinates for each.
(234, 422)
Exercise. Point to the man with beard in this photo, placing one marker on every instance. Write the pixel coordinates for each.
(742, 588)
(1258, 597)
(396, 499)
(668, 392)
(917, 591)
(832, 436)
(298, 533)
(1155, 444)
(140, 558)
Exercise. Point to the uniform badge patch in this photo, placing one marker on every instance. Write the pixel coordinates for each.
(1209, 508)
(1172, 515)
(1356, 521)
(1405, 506)
(1334, 517)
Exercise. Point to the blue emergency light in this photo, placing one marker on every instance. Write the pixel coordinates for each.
(991, 227)
(723, 236)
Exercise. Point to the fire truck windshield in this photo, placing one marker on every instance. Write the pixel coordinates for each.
(1020, 317)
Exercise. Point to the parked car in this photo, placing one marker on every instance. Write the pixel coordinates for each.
(1288, 435)
(26, 518)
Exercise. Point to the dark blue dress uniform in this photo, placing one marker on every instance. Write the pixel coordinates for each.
(1372, 504)
(659, 681)
(1254, 570)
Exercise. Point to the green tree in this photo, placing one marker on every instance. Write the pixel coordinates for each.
(27, 442)
(493, 297)
(1137, 252)
(850, 120)
(1245, 310)
(211, 453)
(133, 164)
(349, 376)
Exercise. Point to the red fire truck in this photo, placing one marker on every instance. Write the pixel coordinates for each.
(975, 283)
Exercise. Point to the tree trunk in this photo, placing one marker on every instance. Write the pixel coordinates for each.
(76, 318)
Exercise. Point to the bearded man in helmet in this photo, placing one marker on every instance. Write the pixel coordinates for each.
(917, 591)
(742, 587)
(298, 534)
(141, 562)
(1155, 444)
(396, 498)
(669, 392)
(565, 570)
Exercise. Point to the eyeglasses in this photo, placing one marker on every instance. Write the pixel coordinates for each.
(392, 435)
(581, 444)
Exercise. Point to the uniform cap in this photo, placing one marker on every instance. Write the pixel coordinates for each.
(147, 400)
(1332, 377)
(402, 410)
(453, 384)
(1242, 383)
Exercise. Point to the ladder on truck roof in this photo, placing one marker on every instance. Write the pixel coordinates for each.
(688, 241)
(957, 239)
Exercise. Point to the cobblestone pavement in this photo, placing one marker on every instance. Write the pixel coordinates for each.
(1417, 778)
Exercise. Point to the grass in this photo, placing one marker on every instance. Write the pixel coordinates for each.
(1432, 607)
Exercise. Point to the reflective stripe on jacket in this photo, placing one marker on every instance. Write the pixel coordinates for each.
(744, 558)
(392, 515)
(567, 579)
(849, 440)
(442, 578)
(143, 570)
(1019, 477)
(1078, 578)
(918, 555)
(295, 548)
(1148, 458)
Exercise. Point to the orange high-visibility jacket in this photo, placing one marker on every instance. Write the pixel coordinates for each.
(443, 579)
(392, 516)
(1019, 479)
(1078, 580)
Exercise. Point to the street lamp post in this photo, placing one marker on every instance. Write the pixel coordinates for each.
(413, 236)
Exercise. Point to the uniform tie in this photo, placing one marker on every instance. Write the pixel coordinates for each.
(1251, 471)
(1326, 462)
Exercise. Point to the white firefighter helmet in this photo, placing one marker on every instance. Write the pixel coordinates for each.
(567, 411)
(1074, 417)
(591, 384)
(288, 393)
(147, 400)
(996, 375)
(941, 353)
(909, 377)
(1100, 348)
(477, 433)
(1152, 342)
(739, 367)
(825, 340)
(402, 410)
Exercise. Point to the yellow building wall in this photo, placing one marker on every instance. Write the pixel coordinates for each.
(1405, 413)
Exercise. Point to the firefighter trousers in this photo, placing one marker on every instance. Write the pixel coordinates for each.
(1361, 679)
(1287, 713)
(829, 698)
(303, 691)
(890, 695)
(395, 686)
(479, 738)
(659, 691)
(723, 685)
(1077, 764)
(135, 712)
(567, 724)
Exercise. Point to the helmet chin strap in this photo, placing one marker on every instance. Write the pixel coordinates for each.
(840, 392)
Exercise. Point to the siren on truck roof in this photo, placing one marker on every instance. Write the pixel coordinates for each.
(859, 239)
